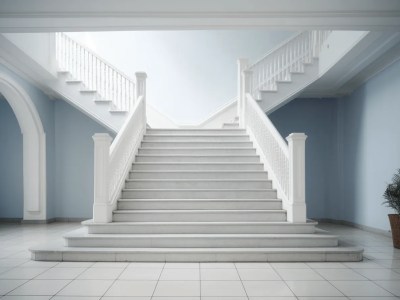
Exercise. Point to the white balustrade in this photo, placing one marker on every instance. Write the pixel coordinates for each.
(95, 73)
(288, 57)
(285, 163)
(112, 161)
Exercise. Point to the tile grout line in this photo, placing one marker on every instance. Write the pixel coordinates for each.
(158, 280)
(114, 280)
(241, 281)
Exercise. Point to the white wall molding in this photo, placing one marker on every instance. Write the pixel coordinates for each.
(34, 148)
(95, 15)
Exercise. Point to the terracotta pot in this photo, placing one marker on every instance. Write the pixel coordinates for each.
(395, 225)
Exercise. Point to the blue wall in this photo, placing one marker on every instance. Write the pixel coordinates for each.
(69, 156)
(352, 150)
(11, 192)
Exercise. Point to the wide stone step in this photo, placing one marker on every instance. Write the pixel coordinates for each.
(199, 227)
(195, 131)
(80, 238)
(197, 184)
(182, 174)
(198, 194)
(199, 215)
(196, 158)
(193, 143)
(197, 137)
(299, 254)
(175, 204)
(198, 151)
(198, 166)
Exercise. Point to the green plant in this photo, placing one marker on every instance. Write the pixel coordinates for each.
(392, 193)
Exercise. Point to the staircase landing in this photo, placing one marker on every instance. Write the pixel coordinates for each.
(198, 195)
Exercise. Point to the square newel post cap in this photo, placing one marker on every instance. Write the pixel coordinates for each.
(141, 75)
(102, 137)
(296, 137)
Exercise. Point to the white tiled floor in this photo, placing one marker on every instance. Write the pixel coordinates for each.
(377, 277)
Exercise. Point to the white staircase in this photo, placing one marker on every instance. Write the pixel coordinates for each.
(198, 195)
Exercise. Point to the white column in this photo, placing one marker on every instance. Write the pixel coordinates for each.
(242, 64)
(297, 192)
(102, 211)
(246, 88)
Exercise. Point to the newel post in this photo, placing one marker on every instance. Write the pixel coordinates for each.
(242, 64)
(297, 178)
(102, 211)
(141, 84)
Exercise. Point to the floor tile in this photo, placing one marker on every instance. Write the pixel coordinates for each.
(140, 274)
(340, 274)
(61, 273)
(258, 274)
(181, 265)
(313, 288)
(325, 298)
(219, 274)
(86, 288)
(217, 266)
(7, 286)
(290, 266)
(27, 298)
(22, 273)
(223, 298)
(113, 265)
(101, 273)
(267, 288)
(326, 265)
(299, 274)
(373, 298)
(73, 298)
(391, 286)
(39, 264)
(40, 287)
(180, 274)
(363, 265)
(177, 288)
(360, 288)
(73, 264)
(222, 288)
(253, 265)
(180, 298)
(379, 274)
(123, 288)
(145, 265)
(274, 298)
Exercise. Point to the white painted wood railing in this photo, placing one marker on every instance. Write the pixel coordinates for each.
(112, 161)
(95, 73)
(284, 162)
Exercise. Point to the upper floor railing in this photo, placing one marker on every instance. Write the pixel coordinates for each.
(289, 57)
(95, 73)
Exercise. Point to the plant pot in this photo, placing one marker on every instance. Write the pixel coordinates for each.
(394, 220)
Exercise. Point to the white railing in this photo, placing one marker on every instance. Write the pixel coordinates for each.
(290, 57)
(112, 161)
(95, 73)
(285, 163)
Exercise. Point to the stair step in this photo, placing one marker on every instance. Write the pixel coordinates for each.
(198, 166)
(88, 91)
(196, 158)
(58, 252)
(197, 137)
(194, 215)
(182, 174)
(197, 204)
(199, 227)
(197, 151)
(198, 194)
(195, 131)
(197, 184)
(69, 81)
(193, 143)
(230, 125)
(80, 238)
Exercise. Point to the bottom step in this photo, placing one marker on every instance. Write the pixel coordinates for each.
(330, 254)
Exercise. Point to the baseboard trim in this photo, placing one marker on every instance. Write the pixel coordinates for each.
(355, 225)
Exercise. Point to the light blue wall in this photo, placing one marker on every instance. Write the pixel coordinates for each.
(11, 193)
(317, 119)
(352, 150)
(371, 147)
(74, 161)
(69, 156)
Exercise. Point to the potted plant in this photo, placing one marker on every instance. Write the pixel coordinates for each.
(392, 196)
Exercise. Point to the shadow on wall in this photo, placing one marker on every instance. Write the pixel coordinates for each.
(11, 165)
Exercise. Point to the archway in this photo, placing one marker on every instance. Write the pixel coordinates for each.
(34, 148)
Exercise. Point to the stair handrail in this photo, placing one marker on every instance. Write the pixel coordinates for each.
(286, 58)
(95, 72)
(112, 161)
(284, 162)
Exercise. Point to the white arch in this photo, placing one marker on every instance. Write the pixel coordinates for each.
(34, 148)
